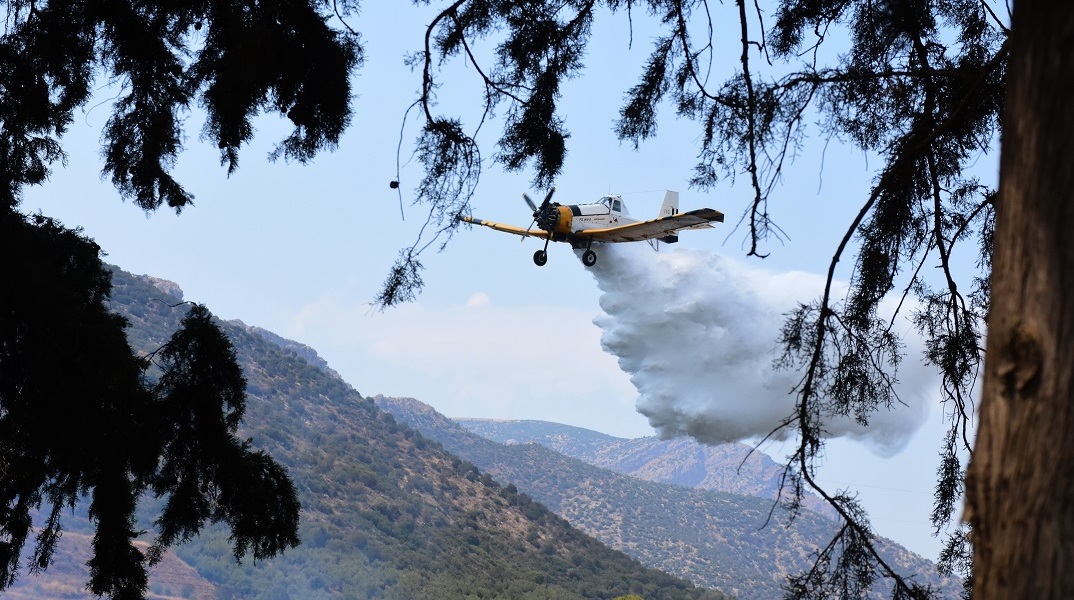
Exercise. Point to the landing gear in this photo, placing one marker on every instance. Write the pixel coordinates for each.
(540, 257)
(589, 258)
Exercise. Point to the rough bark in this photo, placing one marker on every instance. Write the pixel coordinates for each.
(1020, 487)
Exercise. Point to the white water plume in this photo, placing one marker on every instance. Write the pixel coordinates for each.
(697, 333)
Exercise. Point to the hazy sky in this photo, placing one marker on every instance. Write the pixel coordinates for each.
(302, 250)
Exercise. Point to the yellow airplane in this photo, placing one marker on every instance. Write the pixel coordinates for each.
(603, 221)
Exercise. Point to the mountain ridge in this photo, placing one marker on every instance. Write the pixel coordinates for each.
(734, 468)
(732, 542)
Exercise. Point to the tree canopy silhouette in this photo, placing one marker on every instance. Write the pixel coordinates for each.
(80, 413)
(919, 83)
(83, 415)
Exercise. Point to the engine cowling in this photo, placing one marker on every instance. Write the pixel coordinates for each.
(555, 218)
(565, 220)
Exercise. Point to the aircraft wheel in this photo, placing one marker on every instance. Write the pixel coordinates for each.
(540, 257)
(589, 258)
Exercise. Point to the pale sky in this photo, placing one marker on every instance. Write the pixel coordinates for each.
(302, 250)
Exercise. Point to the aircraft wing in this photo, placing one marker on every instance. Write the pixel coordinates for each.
(536, 232)
(655, 228)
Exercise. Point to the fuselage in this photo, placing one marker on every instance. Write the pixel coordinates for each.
(609, 211)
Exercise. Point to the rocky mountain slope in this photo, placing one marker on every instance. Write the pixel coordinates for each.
(743, 545)
(733, 468)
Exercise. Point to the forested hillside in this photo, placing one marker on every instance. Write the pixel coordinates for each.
(733, 542)
(386, 512)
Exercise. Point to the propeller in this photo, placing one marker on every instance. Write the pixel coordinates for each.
(542, 217)
(526, 197)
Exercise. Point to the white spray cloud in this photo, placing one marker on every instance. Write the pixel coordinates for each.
(697, 333)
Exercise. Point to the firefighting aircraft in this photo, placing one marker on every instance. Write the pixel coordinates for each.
(604, 221)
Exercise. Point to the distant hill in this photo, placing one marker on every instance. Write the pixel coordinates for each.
(715, 539)
(733, 468)
(386, 512)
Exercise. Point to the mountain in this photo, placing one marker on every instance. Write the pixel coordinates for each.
(386, 512)
(742, 545)
(733, 468)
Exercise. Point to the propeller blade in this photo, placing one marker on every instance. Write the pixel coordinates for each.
(526, 197)
(548, 198)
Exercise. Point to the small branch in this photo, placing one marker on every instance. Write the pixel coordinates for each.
(995, 17)
(759, 199)
(426, 75)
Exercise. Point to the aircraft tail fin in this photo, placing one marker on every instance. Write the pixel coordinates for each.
(671, 204)
(669, 208)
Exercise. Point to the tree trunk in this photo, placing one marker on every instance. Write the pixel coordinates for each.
(1020, 486)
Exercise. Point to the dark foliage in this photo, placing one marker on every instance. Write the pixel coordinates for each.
(206, 473)
(80, 415)
(73, 402)
(236, 58)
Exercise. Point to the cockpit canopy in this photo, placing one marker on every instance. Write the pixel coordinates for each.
(615, 204)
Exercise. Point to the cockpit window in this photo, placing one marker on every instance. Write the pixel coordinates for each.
(613, 203)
